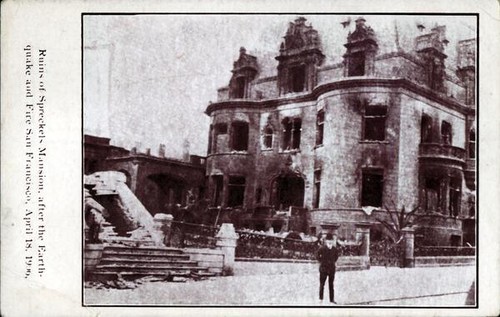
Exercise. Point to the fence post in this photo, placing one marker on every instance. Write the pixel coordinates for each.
(363, 236)
(163, 224)
(409, 239)
(226, 240)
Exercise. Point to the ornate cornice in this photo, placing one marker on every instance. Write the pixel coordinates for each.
(337, 85)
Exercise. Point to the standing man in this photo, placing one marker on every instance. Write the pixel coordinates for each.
(327, 256)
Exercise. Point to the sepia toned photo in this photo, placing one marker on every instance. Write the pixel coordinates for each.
(295, 160)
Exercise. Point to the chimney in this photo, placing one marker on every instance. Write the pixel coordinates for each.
(185, 151)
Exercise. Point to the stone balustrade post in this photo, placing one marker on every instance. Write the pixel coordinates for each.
(163, 225)
(409, 240)
(226, 240)
(363, 236)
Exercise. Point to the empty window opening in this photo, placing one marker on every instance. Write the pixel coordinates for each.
(432, 194)
(210, 139)
(236, 191)
(426, 129)
(320, 123)
(446, 133)
(317, 188)
(374, 123)
(291, 134)
(455, 196)
(268, 138)
(372, 188)
(258, 195)
(288, 191)
(240, 87)
(220, 137)
(357, 64)
(297, 78)
(239, 136)
(217, 193)
(472, 144)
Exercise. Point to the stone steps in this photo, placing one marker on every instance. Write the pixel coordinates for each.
(135, 262)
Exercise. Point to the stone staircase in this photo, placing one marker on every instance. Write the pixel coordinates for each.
(135, 262)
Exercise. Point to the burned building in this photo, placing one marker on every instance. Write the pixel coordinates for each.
(392, 127)
(159, 182)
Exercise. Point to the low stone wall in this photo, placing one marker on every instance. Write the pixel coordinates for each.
(255, 266)
(211, 258)
(436, 261)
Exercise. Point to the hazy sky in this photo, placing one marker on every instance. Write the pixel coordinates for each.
(149, 78)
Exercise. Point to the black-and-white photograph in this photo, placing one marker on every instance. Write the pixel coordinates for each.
(298, 160)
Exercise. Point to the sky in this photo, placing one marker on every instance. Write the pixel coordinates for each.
(149, 78)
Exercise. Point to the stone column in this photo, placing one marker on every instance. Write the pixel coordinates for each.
(363, 236)
(409, 239)
(226, 240)
(163, 224)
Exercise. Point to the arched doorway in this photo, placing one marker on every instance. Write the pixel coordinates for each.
(288, 190)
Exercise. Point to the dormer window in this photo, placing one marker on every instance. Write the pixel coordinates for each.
(297, 78)
(240, 87)
(299, 58)
(244, 71)
(357, 64)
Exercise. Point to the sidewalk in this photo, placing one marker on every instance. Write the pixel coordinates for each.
(439, 286)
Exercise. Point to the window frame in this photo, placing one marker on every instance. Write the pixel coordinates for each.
(238, 131)
(369, 119)
(234, 185)
(320, 127)
(375, 171)
(292, 134)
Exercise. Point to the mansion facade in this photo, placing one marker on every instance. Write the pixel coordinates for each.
(377, 130)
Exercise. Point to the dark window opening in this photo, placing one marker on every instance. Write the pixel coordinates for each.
(236, 191)
(426, 129)
(455, 240)
(320, 123)
(432, 194)
(317, 188)
(291, 134)
(288, 191)
(472, 144)
(239, 136)
(374, 123)
(455, 196)
(210, 139)
(239, 91)
(219, 130)
(258, 195)
(446, 133)
(372, 188)
(268, 138)
(217, 194)
(357, 64)
(297, 78)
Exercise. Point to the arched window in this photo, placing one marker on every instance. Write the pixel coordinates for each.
(472, 144)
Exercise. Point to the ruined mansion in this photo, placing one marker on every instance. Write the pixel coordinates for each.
(391, 125)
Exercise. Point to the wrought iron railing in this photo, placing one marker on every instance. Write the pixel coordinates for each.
(255, 245)
(185, 235)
